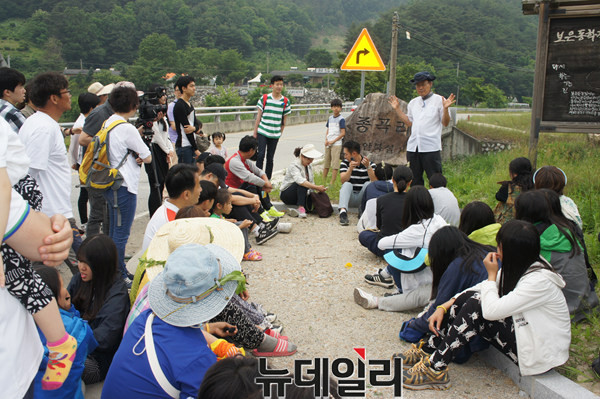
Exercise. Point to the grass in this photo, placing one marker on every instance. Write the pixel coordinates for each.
(475, 178)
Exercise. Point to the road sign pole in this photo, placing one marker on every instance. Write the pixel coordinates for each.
(362, 85)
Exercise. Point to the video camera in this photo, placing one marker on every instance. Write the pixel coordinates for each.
(149, 109)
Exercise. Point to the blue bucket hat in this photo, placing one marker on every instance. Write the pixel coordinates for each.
(196, 284)
(421, 76)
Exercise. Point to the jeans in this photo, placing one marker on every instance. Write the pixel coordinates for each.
(123, 213)
(349, 197)
(98, 213)
(269, 146)
(430, 162)
(370, 239)
(296, 195)
(185, 154)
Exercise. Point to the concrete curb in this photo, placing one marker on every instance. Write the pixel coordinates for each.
(550, 385)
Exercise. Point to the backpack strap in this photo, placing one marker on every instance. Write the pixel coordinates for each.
(264, 101)
(153, 360)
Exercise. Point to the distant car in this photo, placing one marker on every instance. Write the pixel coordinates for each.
(357, 102)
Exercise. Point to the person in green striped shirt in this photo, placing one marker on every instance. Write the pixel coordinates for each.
(270, 121)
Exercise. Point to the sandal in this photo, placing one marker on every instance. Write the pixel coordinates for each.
(275, 334)
(281, 349)
(252, 255)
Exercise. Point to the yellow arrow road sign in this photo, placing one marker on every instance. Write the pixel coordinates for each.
(363, 56)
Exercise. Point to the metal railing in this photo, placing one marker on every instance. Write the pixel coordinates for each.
(238, 111)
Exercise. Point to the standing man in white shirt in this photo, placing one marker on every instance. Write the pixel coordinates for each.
(426, 115)
(44, 142)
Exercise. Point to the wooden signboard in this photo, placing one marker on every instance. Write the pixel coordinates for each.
(566, 90)
(572, 84)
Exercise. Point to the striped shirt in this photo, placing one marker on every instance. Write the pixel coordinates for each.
(359, 175)
(272, 116)
(12, 115)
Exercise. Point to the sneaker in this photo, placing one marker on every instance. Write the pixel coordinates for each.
(284, 227)
(412, 356)
(265, 217)
(365, 299)
(301, 212)
(273, 212)
(344, 219)
(378, 279)
(421, 376)
(293, 212)
(270, 317)
(265, 234)
(272, 224)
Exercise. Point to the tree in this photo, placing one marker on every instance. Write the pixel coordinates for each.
(318, 58)
(223, 98)
(477, 93)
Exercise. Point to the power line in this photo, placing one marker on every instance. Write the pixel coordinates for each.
(461, 53)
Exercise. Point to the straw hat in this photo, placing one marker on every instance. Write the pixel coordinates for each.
(196, 284)
(199, 231)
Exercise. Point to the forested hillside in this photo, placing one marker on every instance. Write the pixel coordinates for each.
(235, 39)
(492, 40)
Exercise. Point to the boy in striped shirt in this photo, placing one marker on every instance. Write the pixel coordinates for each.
(270, 121)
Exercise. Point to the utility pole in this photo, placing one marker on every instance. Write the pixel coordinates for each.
(267, 61)
(457, 82)
(393, 55)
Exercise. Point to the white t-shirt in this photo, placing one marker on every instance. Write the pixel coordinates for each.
(12, 153)
(426, 117)
(20, 348)
(49, 164)
(335, 125)
(75, 155)
(446, 205)
(163, 215)
(123, 138)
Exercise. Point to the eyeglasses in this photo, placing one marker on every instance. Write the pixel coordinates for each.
(65, 92)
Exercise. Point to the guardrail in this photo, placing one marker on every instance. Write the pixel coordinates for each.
(238, 111)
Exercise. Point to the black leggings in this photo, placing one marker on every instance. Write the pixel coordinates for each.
(248, 335)
(463, 322)
(159, 161)
(296, 195)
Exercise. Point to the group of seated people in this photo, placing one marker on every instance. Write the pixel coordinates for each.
(514, 277)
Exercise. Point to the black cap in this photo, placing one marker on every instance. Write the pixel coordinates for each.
(218, 170)
(421, 76)
(202, 157)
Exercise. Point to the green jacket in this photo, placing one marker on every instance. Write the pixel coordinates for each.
(552, 240)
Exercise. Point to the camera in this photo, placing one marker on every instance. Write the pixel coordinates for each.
(149, 109)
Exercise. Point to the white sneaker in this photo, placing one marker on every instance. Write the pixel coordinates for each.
(284, 227)
(365, 299)
(293, 212)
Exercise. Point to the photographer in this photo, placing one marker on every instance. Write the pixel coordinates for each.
(156, 136)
